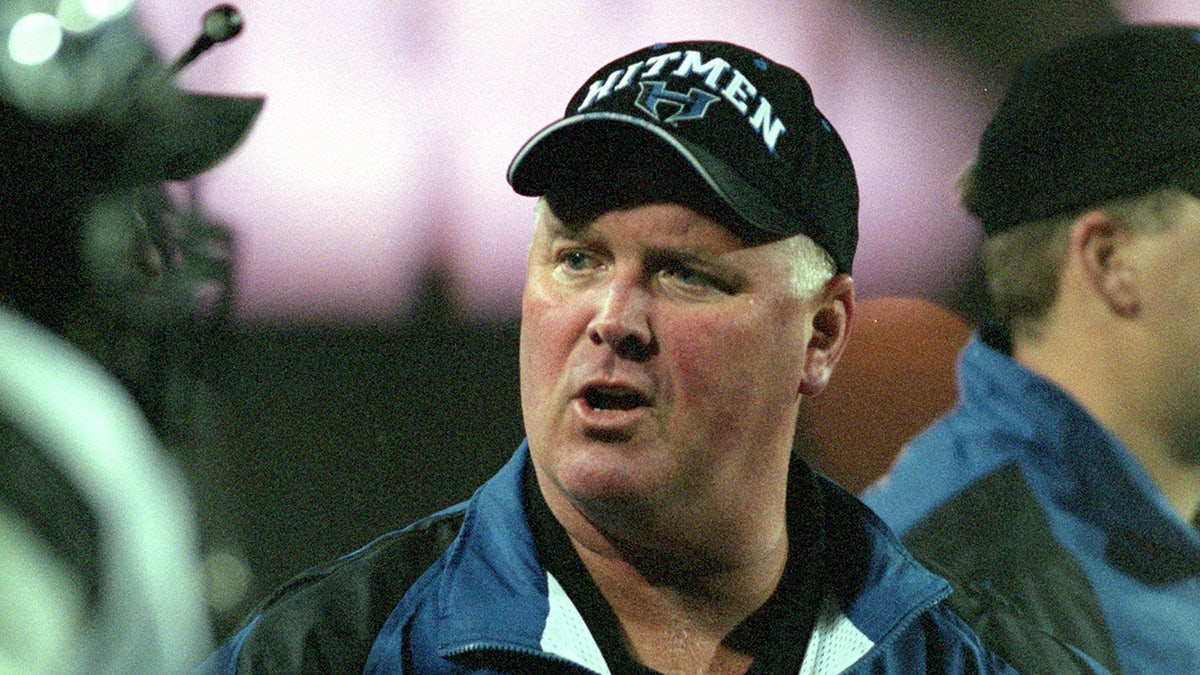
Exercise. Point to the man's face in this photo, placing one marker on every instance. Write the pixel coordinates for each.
(1170, 264)
(662, 360)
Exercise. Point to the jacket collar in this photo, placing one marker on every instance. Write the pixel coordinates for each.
(877, 583)
(1079, 463)
(495, 596)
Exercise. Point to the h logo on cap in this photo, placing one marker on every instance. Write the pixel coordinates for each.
(691, 106)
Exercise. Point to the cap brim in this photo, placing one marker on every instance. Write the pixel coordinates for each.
(562, 150)
(189, 136)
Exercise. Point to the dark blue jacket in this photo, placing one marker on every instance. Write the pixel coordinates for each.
(462, 591)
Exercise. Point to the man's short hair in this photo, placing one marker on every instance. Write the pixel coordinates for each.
(1022, 264)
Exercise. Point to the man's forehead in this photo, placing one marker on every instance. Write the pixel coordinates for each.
(654, 226)
(578, 210)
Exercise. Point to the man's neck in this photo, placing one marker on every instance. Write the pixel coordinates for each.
(1109, 389)
(1178, 480)
(677, 593)
(676, 620)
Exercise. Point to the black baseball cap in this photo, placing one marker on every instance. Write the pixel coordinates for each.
(1105, 116)
(745, 125)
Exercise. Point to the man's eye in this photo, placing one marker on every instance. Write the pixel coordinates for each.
(576, 261)
(691, 278)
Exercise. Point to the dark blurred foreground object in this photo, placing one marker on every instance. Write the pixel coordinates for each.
(105, 282)
(70, 145)
(99, 572)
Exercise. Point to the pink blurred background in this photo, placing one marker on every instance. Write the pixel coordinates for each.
(382, 151)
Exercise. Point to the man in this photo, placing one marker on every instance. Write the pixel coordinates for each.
(99, 572)
(688, 284)
(1066, 481)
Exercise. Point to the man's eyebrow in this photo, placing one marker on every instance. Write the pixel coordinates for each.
(681, 255)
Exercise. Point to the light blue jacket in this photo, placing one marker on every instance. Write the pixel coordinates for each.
(1021, 491)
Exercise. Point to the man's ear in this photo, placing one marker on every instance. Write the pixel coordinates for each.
(1100, 248)
(831, 330)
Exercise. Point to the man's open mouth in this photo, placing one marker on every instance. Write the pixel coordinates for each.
(614, 398)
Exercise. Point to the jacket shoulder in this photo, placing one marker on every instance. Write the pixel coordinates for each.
(326, 619)
(1026, 595)
(1028, 647)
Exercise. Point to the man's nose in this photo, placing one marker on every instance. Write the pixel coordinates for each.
(622, 321)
